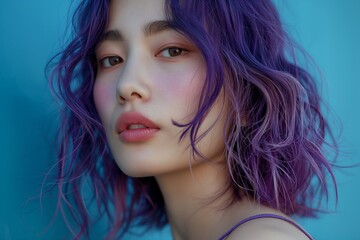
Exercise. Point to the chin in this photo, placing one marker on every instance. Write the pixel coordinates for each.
(135, 168)
(136, 173)
(150, 167)
(139, 167)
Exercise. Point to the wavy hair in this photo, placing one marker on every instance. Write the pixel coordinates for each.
(275, 130)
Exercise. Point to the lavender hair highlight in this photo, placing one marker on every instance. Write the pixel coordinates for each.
(275, 132)
(83, 153)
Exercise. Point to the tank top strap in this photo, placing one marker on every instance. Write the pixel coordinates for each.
(265, 215)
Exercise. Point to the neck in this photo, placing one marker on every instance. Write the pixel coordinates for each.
(195, 200)
(197, 205)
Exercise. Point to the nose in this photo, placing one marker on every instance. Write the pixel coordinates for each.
(133, 83)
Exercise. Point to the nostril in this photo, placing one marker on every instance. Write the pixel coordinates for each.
(135, 94)
(129, 97)
(122, 100)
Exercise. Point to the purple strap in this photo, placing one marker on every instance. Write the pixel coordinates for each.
(266, 215)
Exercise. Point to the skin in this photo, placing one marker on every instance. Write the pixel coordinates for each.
(160, 87)
(160, 74)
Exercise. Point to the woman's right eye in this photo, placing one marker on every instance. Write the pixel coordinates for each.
(110, 61)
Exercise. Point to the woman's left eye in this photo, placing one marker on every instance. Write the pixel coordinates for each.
(171, 52)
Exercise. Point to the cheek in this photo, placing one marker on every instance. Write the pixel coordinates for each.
(104, 99)
(182, 87)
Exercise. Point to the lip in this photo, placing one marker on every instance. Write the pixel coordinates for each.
(135, 135)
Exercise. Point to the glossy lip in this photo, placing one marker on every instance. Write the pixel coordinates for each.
(135, 135)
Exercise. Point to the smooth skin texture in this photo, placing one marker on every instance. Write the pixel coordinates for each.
(146, 67)
(158, 73)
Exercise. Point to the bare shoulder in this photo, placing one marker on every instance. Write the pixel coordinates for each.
(268, 229)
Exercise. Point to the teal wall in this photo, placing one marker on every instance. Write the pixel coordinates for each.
(31, 31)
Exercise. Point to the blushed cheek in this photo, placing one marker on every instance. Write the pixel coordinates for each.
(181, 93)
(183, 85)
(103, 95)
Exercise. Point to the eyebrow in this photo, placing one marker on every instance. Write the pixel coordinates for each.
(156, 27)
(151, 28)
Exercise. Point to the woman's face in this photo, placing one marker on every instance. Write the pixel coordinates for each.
(148, 75)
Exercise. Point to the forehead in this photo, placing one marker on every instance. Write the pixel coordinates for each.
(126, 14)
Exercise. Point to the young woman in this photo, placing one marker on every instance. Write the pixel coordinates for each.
(192, 113)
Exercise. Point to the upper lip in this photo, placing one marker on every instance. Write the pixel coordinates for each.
(128, 118)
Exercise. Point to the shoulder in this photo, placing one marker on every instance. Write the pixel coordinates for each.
(268, 229)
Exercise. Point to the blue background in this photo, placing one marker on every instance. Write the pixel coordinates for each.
(32, 31)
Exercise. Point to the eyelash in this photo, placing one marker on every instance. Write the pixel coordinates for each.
(111, 61)
(179, 50)
(106, 61)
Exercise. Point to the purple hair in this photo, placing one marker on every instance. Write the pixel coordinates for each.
(275, 131)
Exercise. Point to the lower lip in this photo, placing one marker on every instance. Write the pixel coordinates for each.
(138, 135)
